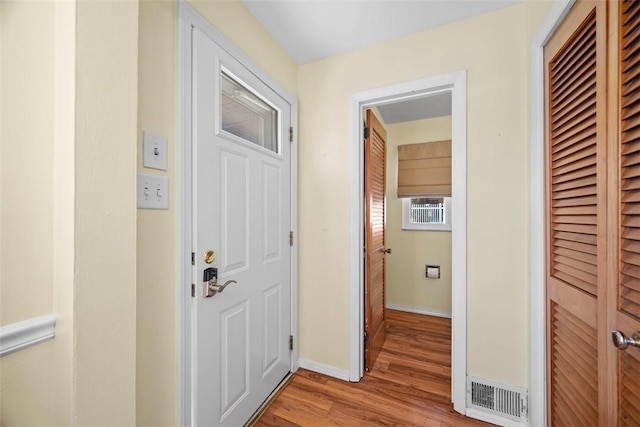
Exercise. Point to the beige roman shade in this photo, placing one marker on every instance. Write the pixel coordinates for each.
(424, 169)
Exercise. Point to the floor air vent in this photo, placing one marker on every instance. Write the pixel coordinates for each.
(496, 398)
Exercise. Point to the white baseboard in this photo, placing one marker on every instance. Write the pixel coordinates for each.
(418, 311)
(324, 369)
(17, 336)
(493, 419)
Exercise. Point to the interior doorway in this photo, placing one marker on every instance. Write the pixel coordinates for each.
(407, 148)
(453, 84)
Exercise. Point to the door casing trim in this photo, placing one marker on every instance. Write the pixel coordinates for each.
(187, 19)
(537, 206)
(456, 83)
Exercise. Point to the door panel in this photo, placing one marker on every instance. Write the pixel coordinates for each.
(272, 201)
(242, 205)
(599, 288)
(375, 176)
(574, 364)
(272, 321)
(235, 219)
(235, 358)
(629, 389)
(576, 200)
(628, 289)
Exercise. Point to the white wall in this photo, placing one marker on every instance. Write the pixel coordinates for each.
(405, 283)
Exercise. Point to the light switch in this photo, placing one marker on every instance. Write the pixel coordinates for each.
(154, 150)
(153, 192)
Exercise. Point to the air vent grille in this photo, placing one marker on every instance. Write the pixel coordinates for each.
(496, 398)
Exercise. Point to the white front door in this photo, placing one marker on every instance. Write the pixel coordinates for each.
(241, 206)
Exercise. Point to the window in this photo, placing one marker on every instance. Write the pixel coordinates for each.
(247, 116)
(426, 213)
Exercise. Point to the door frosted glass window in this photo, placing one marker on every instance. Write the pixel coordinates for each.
(247, 116)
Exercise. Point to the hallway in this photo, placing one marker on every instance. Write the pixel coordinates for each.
(410, 384)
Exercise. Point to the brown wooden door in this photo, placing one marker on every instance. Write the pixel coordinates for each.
(374, 190)
(593, 222)
(626, 280)
(575, 59)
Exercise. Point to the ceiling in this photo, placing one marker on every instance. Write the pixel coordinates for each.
(426, 107)
(311, 30)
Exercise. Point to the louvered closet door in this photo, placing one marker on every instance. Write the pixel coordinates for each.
(628, 280)
(575, 60)
(374, 189)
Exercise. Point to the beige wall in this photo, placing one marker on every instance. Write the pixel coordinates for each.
(156, 382)
(26, 202)
(64, 212)
(27, 170)
(494, 48)
(105, 214)
(69, 100)
(234, 20)
(406, 285)
(98, 378)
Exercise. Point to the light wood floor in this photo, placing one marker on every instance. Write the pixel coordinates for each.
(410, 384)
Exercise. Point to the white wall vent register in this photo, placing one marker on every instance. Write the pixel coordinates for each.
(503, 400)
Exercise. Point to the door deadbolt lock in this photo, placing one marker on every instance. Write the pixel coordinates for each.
(209, 257)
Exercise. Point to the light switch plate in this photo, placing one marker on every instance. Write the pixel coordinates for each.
(154, 150)
(153, 192)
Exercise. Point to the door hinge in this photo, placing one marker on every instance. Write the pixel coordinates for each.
(290, 342)
(366, 338)
(291, 238)
(193, 290)
(365, 132)
(193, 258)
(291, 134)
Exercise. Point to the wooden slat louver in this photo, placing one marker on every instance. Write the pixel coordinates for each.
(572, 151)
(629, 292)
(593, 215)
(629, 390)
(375, 161)
(574, 360)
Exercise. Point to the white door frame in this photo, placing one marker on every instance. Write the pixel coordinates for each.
(456, 83)
(537, 265)
(187, 19)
